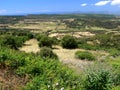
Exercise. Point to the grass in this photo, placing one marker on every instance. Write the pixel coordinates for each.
(115, 62)
(116, 88)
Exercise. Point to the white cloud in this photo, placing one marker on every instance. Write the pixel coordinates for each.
(102, 3)
(115, 2)
(112, 2)
(84, 4)
(3, 11)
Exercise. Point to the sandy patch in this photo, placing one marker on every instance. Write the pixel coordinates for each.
(68, 56)
(75, 34)
(30, 46)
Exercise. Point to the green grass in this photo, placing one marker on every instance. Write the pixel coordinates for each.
(115, 62)
(116, 88)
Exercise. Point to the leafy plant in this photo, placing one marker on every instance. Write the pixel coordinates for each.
(69, 42)
(13, 42)
(84, 55)
(98, 77)
(45, 41)
(46, 52)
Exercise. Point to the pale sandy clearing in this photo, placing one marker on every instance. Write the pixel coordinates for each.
(30, 46)
(75, 34)
(67, 56)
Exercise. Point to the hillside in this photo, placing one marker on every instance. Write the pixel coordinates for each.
(60, 52)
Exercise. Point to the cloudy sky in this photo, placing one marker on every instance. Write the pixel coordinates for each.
(8, 7)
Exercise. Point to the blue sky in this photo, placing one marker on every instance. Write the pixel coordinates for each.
(8, 7)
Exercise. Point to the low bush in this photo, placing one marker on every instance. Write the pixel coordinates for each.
(9, 57)
(39, 36)
(115, 63)
(98, 77)
(84, 55)
(69, 42)
(55, 41)
(46, 52)
(13, 42)
(45, 41)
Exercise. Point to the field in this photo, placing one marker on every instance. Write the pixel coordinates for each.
(60, 52)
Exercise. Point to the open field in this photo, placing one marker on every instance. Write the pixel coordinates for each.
(65, 55)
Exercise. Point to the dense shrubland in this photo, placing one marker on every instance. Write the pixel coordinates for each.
(14, 40)
(44, 73)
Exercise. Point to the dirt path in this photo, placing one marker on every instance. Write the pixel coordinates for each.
(30, 46)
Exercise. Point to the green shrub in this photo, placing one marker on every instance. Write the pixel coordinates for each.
(55, 41)
(39, 36)
(84, 55)
(46, 52)
(116, 68)
(69, 42)
(13, 42)
(117, 77)
(98, 77)
(45, 41)
(3, 57)
(10, 58)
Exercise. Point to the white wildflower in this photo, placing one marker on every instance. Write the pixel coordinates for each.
(57, 84)
(62, 88)
(48, 86)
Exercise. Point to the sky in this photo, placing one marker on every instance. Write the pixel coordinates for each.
(10, 7)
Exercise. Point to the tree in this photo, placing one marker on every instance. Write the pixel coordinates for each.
(69, 42)
(45, 41)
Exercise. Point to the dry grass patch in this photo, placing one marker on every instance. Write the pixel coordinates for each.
(30, 46)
